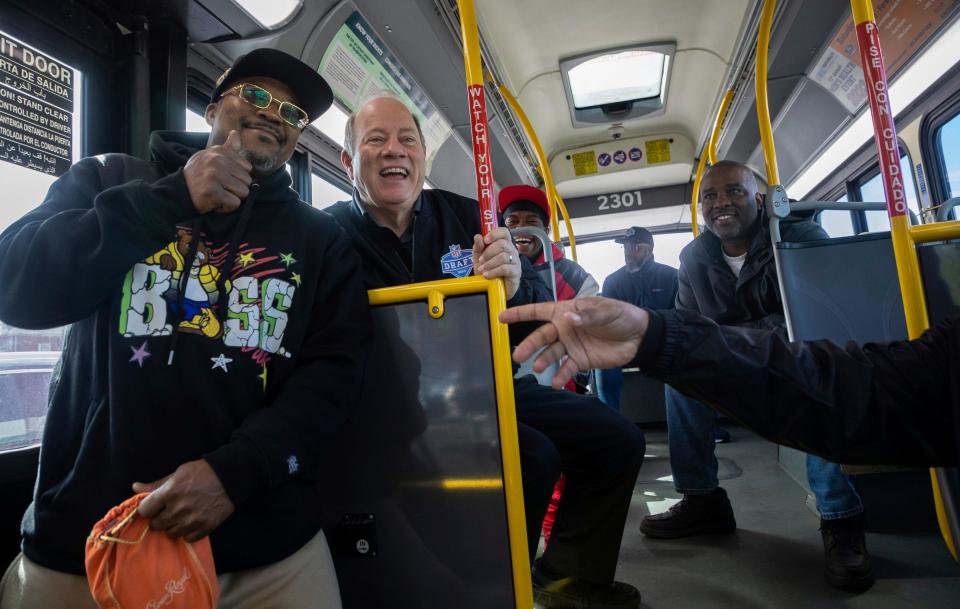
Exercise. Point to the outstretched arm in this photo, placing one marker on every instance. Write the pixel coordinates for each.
(590, 333)
(881, 403)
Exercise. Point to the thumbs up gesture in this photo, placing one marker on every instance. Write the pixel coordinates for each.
(218, 177)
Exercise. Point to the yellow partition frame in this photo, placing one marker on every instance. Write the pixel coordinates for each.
(710, 153)
(434, 293)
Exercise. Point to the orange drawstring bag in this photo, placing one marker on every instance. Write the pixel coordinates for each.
(131, 566)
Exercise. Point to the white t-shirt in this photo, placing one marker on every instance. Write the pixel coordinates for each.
(735, 262)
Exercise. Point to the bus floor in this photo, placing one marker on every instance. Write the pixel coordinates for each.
(775, 559)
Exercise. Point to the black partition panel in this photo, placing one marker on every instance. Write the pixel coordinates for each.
(843, 289)
(847, 289)
(940, 269)
(414, 504)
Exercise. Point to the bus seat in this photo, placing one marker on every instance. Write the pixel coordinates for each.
(416, 507)
(940, 269)
(642, 400)
(846, 289)
(857, 298)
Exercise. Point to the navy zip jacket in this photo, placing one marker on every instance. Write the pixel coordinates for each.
(653, 285)
(439, 246)
(268, 314)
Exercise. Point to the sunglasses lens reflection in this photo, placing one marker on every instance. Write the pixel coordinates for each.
(292, 114)
(256, 96)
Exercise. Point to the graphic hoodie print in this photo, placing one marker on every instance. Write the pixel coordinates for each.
(236, 338)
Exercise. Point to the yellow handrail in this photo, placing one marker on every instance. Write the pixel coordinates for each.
(553, 197)
(902, 236)
(709, 154)
(763, 108)
(479, 130)
(479, 134)
(718, 126)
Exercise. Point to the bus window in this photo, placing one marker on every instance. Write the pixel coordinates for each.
(323, 193)
(196, 122)
(947, 148)
(602, 258)
(872, 191)
(837, 223)
(41, 143)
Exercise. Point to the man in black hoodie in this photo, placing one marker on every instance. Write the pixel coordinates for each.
(218, 325)
(405, 234)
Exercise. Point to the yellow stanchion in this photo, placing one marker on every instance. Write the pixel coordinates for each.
(904, 247)
(711, 155)
(479, 131)
(763, 107)
(552, 196)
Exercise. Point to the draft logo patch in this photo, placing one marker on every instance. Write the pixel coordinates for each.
(459, 262)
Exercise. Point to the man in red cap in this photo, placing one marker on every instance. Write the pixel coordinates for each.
(524, 206)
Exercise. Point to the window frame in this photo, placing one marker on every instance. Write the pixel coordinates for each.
(933, 161)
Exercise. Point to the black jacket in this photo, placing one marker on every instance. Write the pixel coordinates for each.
(269, 325)
(894, 403)
(441, 243)
(709, 287)
(653, 286)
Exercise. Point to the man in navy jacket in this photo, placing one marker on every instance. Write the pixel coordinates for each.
(406, 234)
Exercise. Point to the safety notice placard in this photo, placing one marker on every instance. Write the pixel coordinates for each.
(358, 66)
(904, 25)
(658, 151)
(36, 108)
(584, 163)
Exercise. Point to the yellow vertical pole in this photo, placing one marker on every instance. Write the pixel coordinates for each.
(695, 195)
(709, 154)
(718, 126)
(479, 131)
(552, 195)
(904, 249)
(763, 107)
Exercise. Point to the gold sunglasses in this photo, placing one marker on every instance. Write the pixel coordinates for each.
(261, 98)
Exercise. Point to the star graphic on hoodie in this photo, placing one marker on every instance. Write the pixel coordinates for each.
(295, 277)
(140, 354)
(287, 259)
(246, 258)
(263, 376)
(221, 362)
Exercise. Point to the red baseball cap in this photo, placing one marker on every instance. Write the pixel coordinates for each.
(522, 192)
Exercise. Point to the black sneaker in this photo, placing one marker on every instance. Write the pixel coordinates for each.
(575, 593)
(848, 564)
(693, 515)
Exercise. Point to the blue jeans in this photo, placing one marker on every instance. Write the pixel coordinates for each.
(609, 386)
(834, 490)
(690, 437)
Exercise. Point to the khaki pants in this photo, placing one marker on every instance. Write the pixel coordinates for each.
(304, 580)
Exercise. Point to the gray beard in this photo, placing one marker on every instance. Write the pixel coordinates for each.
(262, 164)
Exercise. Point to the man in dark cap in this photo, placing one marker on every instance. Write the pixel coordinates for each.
(642, 282)
(218, 326)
